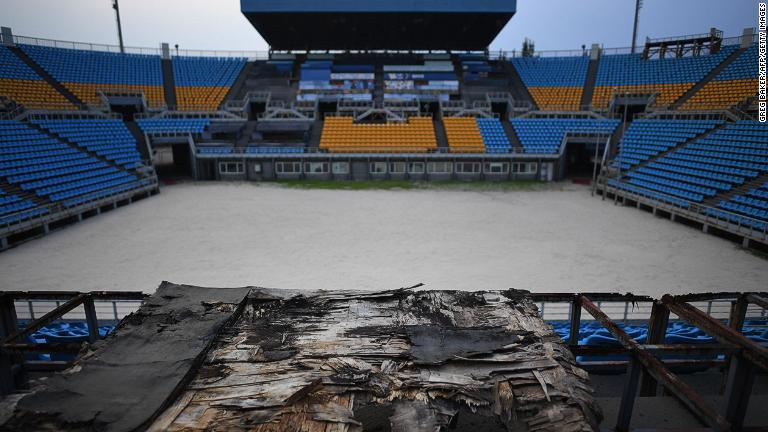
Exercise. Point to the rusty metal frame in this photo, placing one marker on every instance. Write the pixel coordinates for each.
(13, 347)
(646, 374)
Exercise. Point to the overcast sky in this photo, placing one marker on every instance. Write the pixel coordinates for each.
(218, 24)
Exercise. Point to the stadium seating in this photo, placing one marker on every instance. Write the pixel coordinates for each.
(494, 136)
(108, 138)
(669, 77)
(342, 135)
(463, 135)
(711, 165)
(54, 170)
(23, 85)
(215, 150)
(85, 73)
(273, 149)
(476, 135)
(646, 138)
(170, 126)
(545, 135)
(203, 82)
(733, 84)
(555, 83)
(14, 209)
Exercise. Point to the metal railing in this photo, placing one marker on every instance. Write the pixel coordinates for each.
(31, 217)
(721, 218)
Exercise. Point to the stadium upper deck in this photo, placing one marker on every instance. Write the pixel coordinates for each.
(369, 25)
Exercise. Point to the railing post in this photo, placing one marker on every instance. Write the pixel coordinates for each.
(738, 313)
(575, 322)
(91, 319)
(657, 332)
(624, 417)
(8, 319)
(741, 375)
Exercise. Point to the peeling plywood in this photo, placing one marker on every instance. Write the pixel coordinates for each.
(399, 360)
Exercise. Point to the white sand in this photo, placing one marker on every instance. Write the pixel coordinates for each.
(218, 234)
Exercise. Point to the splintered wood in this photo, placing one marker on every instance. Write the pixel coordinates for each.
(398, 360)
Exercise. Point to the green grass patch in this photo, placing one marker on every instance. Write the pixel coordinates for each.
(407, 184)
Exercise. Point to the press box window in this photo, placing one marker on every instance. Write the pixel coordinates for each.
(231, 168)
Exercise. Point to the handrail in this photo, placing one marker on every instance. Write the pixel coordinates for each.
(51, 210)
(697, 209)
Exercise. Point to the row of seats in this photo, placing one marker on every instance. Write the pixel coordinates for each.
(545, 135)
(54, 170)
(732, 85)
(670, 77)
(109, 138)
(555, 83)
(273, 149)
(463, 135)
(203, 82)
(646, 138)
(171, 126)
(22, 84)
(86, 72)
(14, 209)
(342, 135)
(753, 206)
(713, 164)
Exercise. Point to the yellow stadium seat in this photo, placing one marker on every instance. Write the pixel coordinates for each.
(33, 94)
(342, 135)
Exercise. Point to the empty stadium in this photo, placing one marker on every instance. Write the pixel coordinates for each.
(376, 146)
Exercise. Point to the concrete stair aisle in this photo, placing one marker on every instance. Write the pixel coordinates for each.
(589, 84)
(315, 134)
(378, 85)
(47, 77)
(440, 135)
(512, 135)
(77, 147)
(138, 135)
(169, 84)
(516, 86)
(239, 82)
(707, 78)
(738, 190)
(245, 134)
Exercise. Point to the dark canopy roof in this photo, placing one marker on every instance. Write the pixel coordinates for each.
(381, 24)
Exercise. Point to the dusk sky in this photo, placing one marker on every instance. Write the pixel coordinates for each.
(209, 24)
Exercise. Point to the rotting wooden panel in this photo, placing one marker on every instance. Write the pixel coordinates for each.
(402, 360)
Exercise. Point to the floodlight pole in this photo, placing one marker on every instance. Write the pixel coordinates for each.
(116, 7)
(638, 5)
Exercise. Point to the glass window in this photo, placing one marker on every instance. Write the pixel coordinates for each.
(416, 168)
(340, 167)
(288, 167)
(397, 167)
(316, 167)
(378, 167)
(439, 167)
(496, 167)
(467, 167)
(231, 168)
